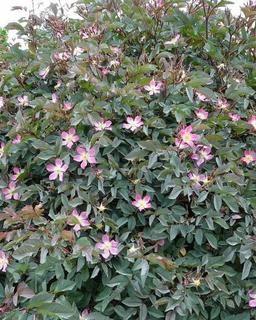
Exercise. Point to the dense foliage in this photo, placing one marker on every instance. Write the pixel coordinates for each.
(127, 160)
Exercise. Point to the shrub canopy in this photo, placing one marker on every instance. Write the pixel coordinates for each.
(127, 160)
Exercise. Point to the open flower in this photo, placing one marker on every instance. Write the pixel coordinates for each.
(79, 220)
(252, 300)
(201, 96)
(154, 87)
(222, 103)
(202, 154)
(85, 314)
(249, 156)
(57, 170)
(3, 261)
(23, 100)
(85, 156)
(55, 98)
(201, 114)
(11, 191)
(78, 51)
(133, 123)
(2, 145)
(252, 122)
(69, 138)
(141, 203)
(1, 102)
(107, 246)
(198, 179)
(44, 72)
(234, 116)
(186, 138)
(17, 139)
(67, 106)
(103, 125)
(16, 173)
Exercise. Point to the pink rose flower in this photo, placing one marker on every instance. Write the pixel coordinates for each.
(133, 123)
(17, 139)
(107, 246)
(234, 116)
(11, 191)
(201, 96)
(103, 125)
(222, 103)
(186, 138)
(67, 106)
(249, 157)
(2, 145)
(252, 122)
(23, 100)
(69, 138)
(252, 301)
(84, 316)
(44, 72)
(55, 98)
(16, 173)
(154, 87)
(198, 179)
(57, 170)
(1, 102)
(3, 261)
(79, 220)
(202, 154)
(85, 156)
(201, 114)
(141, 203)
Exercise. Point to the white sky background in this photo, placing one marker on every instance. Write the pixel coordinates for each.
(7, 15)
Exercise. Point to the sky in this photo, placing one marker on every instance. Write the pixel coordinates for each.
(7, 15)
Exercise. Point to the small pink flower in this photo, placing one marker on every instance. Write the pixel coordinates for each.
(201, 114)
(1, 102)
(3, 261)
(84, 316)
(133, 123)
(85, 156)
(198, 179)
(44, 72)
(234, 116)
(252, 122)
(202, 154)
(107, 246)
(11, 191)
(2, 145)
(57, 170)
(16, 173)
(252, 301)
(23, 100)
(201, 96)
(67, 106)
(222, 103)
(154, 87)
(79, 220)
(186, 138)
(59, 82)
(69, 138)
(105, 70)
(78, 51)
(249, 156)
(17, 139)
(141, 203)
(55, 98)
(103, 125)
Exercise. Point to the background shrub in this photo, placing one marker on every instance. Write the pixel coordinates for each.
(127, 161)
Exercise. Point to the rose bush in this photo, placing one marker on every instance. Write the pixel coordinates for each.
(127, 158)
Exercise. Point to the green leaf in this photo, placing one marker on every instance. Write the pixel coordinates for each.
(246, 269)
